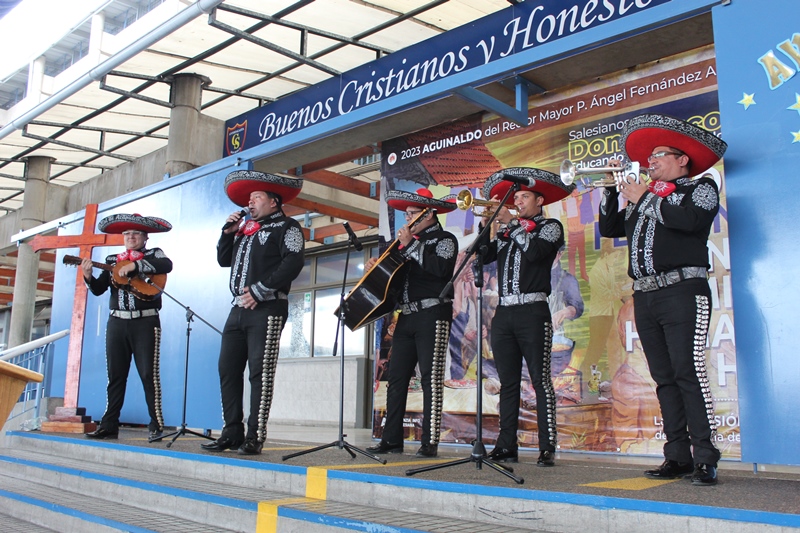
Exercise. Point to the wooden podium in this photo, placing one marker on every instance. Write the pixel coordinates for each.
(13, 379)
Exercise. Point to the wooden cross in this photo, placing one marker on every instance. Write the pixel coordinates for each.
(85, 241)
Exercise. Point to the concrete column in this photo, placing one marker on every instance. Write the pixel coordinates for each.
(187, 92)
(37, 175)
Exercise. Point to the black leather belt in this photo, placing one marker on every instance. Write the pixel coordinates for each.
(522, 299)
(665, 279)
(127, 315)
(419, 305)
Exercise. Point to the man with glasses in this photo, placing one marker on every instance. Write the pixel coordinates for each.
(134, 328)
(667, 225)
(422, 333)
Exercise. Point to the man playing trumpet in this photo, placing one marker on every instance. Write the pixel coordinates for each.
(522, 328)
(667, 225)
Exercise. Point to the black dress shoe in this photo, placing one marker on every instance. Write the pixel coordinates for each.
(670, 469)
(221, 444)
(250, 447)
(546, 458)
(504, 455)
(102, 433)
(704, 475)
(428, 450)
(385, 447)
(155, 434)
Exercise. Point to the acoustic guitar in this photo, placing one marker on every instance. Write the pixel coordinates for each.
(142, 286)
(375, 296)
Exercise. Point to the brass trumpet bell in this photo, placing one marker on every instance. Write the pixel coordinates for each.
(569, 172)
(466, 202)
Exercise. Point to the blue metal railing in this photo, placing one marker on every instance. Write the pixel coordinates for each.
(37, 356)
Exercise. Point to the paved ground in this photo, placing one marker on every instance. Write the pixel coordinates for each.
(772, 489)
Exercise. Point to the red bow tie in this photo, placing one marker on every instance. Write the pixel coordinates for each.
(661, 188)
(249, 228)
(130, 255)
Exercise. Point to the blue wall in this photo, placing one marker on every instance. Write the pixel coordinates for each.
(761, 168)
(197, 210)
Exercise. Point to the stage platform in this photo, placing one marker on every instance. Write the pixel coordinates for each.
(329, 491)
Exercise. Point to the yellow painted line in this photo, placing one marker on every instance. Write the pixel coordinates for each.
(636, 483)
(267, 519)
(317, 483)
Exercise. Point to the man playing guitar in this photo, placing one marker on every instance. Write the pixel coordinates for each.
(134, 328)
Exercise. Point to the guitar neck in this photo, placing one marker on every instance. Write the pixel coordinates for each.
(74, 260)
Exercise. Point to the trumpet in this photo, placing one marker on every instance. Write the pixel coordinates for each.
(465, 201)
(629, 172)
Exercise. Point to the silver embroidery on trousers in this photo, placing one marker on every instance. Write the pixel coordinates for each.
(442, 340)
(703, 314)
(157, 379)
(547, 384)
(269, 363)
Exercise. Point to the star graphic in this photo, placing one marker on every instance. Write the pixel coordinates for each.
(796, 136)
(747, 100)
(796, 105)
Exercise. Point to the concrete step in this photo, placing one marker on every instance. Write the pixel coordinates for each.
(12, 524)
(30, 502)
(87, 482)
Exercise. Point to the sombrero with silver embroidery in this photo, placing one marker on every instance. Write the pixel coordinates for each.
(643, 133)
(423, 198)
(135, 222)
(239, 184)
(546, 183)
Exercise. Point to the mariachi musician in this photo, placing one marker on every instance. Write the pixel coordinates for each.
(667, 224)
(134, 327)
(522, 328)
(422, 333)
(265, 255)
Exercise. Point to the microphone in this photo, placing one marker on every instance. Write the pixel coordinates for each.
(353, 239)
(522, 180)
(227, 225)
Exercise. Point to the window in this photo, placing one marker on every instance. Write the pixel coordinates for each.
(312, 325)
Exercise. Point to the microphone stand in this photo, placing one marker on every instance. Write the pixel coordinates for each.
(478, 455)
(189, 317)
(340, 442)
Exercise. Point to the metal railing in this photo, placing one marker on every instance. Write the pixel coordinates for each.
(35, 355)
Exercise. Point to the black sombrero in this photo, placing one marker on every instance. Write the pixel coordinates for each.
(239, 185)
(643, 133)
(423, 198)
(546, 183)
(135, 222)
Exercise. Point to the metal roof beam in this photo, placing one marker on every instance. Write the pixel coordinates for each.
(303, 28)
(103, 130)
(47, 140)
(214, 23)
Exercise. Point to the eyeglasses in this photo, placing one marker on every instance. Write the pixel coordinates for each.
(659, 155)
(131, 233)
(411, 214)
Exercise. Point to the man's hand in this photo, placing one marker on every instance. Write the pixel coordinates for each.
(631, 190)
(247, 299)
(503, 214)
(234, 218)
(404, 235)
(127, 270)
(86, 266)
(370, 263)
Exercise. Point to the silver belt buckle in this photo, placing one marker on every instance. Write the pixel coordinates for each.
(648, 284)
